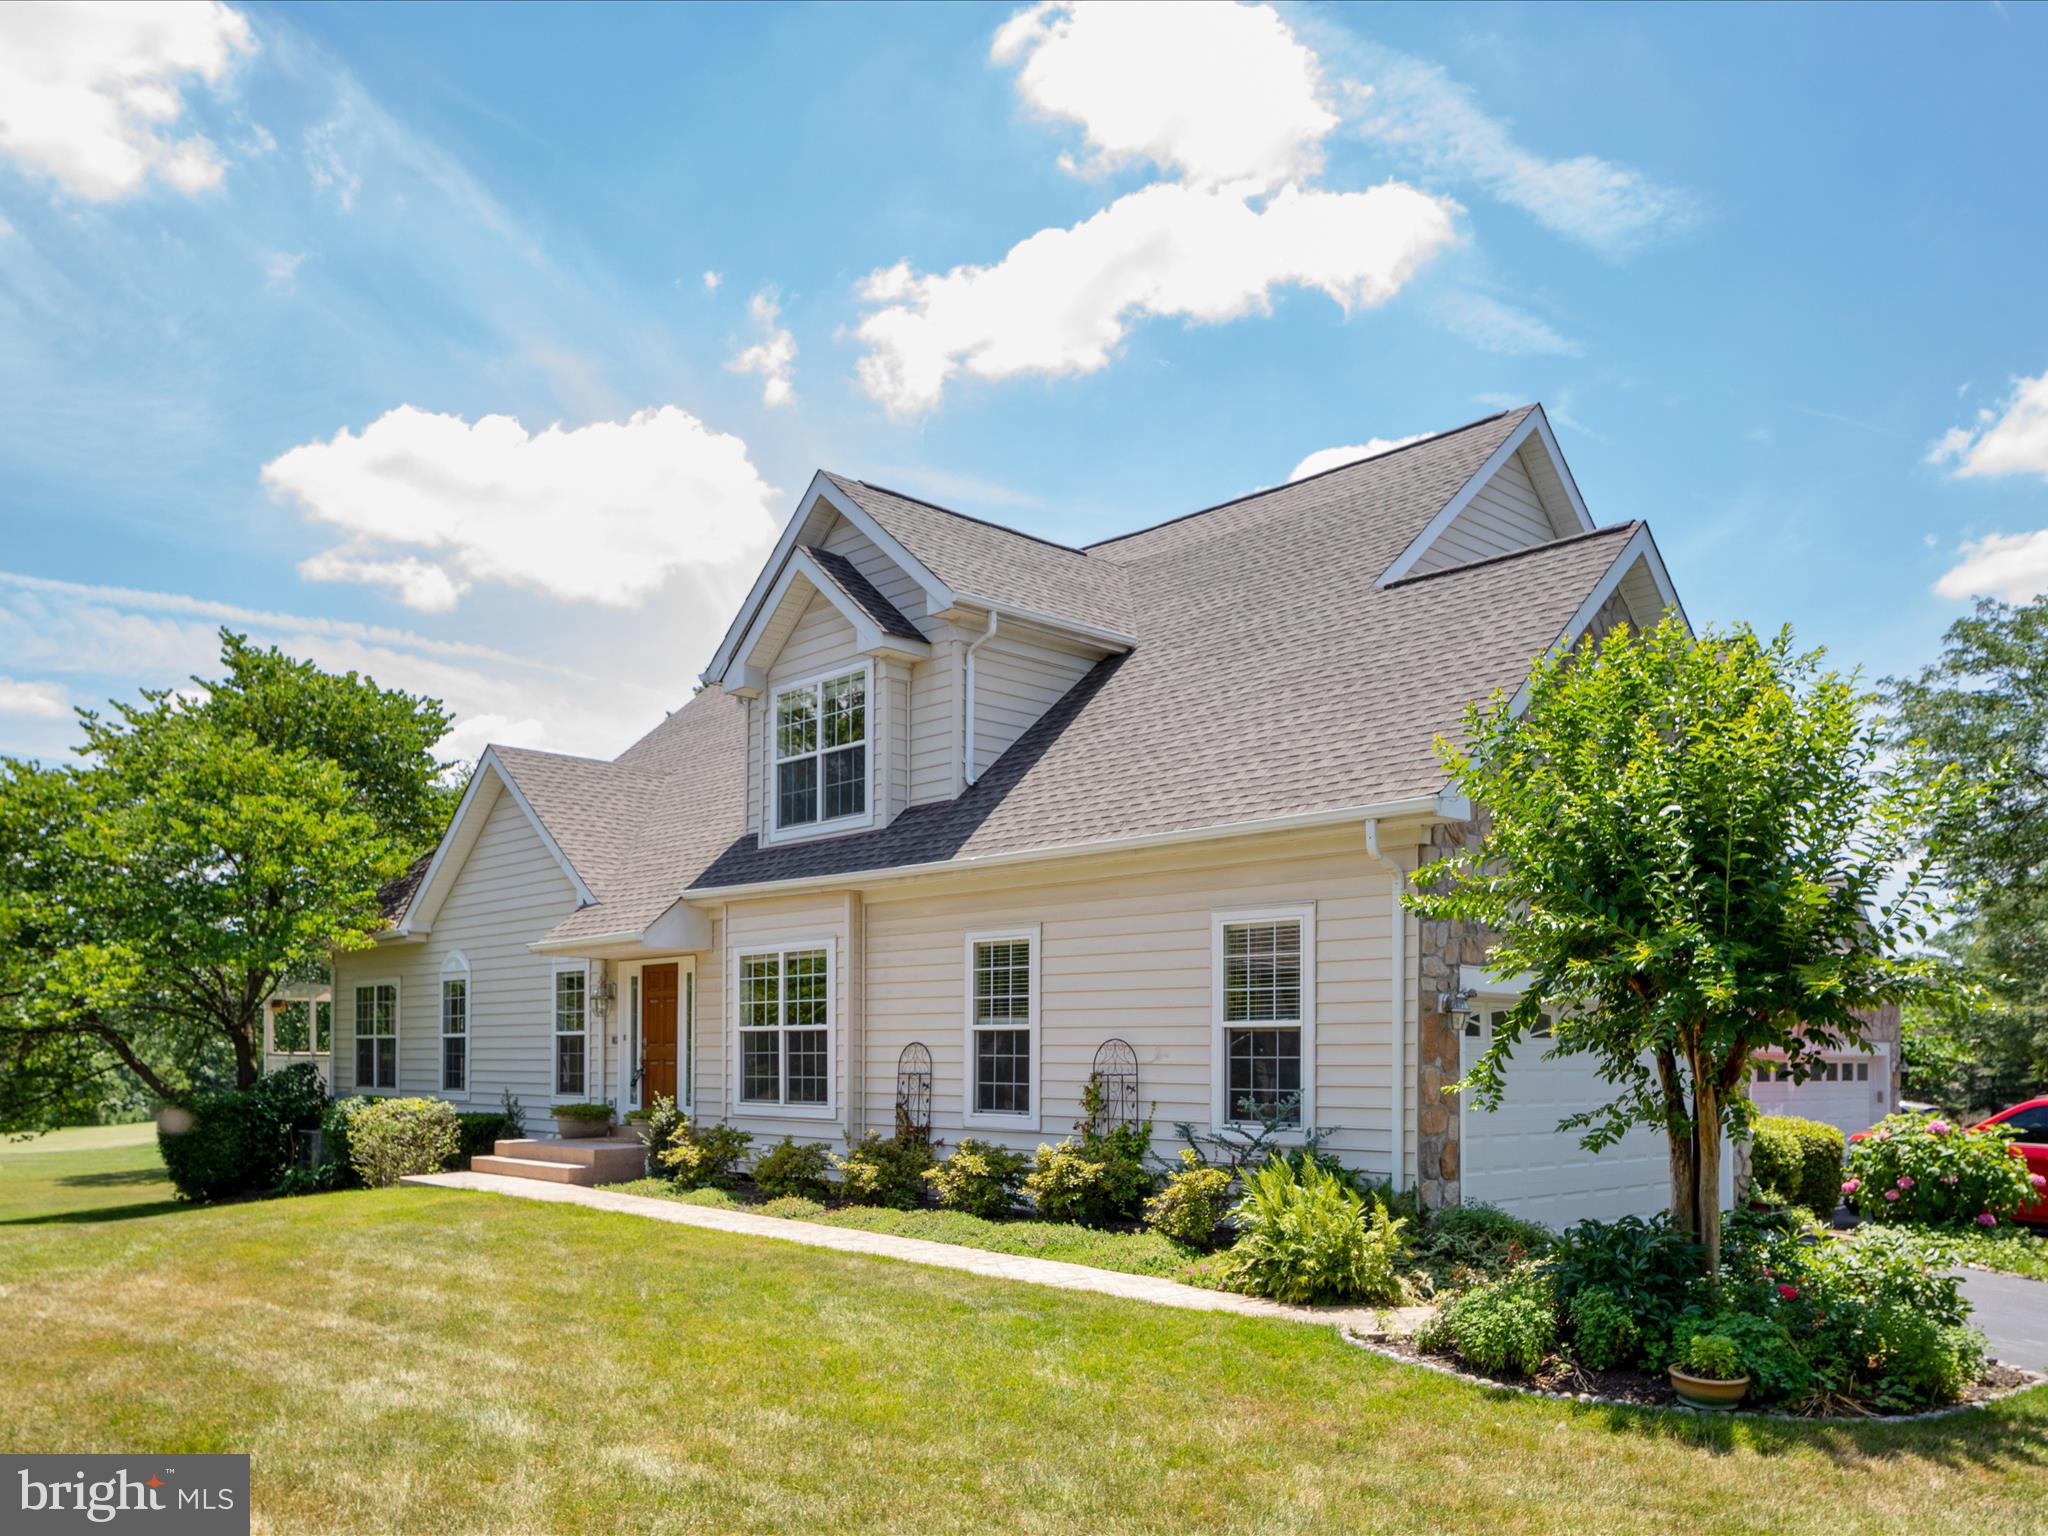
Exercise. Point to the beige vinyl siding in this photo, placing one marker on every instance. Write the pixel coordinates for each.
(936, 727)
(889, 578)
(892, 727)
(795, 922)
(819, 640)
(1507, 514)
(508, 892)
(1125, 950)
(1018, 676)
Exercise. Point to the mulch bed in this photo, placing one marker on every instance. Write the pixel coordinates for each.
(1639, 1389)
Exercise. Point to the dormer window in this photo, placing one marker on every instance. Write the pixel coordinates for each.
(821, 751)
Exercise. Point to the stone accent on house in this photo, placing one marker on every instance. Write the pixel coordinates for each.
(1444, 947)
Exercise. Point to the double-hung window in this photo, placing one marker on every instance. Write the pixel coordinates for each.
(821, 751)
(377, 1036)
(1265, 1031)
(785, 1028)
(455, 1026)
(571, 1032)
(1002, 1027)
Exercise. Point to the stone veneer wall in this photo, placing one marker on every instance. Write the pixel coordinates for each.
(1444, 947)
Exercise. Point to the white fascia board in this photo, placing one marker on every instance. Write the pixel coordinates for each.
(937, 594)
(443, 867)
(1109, 639)
(1424, 806)
(867, 636)
(1535, 425)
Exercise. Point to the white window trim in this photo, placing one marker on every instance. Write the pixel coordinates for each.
(397, 1035)
(756, 1109)
(969, 1115)
(772, 831)
(555, 1095)
(455, 968)
(1219, 1061)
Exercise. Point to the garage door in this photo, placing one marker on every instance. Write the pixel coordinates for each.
(1851, 1092)
(1516, 1157)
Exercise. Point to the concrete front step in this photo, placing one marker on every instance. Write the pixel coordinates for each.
(612, 1160)
(541, 1169)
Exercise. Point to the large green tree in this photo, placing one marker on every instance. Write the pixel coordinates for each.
(1983, 707)
(1696, 849)
(212, 844)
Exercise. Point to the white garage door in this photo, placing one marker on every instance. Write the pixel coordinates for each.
(1515, 1157)
(1851, 1092)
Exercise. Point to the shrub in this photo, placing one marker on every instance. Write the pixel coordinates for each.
(582, 1112)
(792, 1169)
(240, 1141)
(1463, 1245)
(1649, 1267)
(978, 1178)
(513, 1111)
(1771, 1358)
(1098, 1180)
(790, 1208)
(1712, 1356)
(479, 1132)
(888, 1171)
(657, 1126)
(1307, 1237)
(1925, 1171)
(336, 1138)
(1507, 1328)
(1800, 1159)
(702, 1156)
(1603, 1333)
(391, 1139)
(1189, 1207)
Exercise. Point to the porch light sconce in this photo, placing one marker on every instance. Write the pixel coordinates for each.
(1457, 1005)
(602, 998)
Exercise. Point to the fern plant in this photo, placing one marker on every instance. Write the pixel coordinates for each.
(1309, 1237)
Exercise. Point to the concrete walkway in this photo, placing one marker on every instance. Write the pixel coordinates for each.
(911, 1250)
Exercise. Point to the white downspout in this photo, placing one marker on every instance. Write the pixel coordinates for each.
(967, 762)
(1397, 946)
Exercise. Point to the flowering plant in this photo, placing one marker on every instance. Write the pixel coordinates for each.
(1928, 1172)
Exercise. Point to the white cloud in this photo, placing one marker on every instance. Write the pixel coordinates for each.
(325, 163)
(1496, 327)
(1215, 94)
(605, 513)
(41, 701)
(2009, 440)
(281, 269)
(90, 94)
(774, 356)
(1415, 109)
(1225, 98)
(1337, 458)
(711, 282)
(2013, 566)
(1061, 301)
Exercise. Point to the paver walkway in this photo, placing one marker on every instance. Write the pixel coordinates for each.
(910, 1250)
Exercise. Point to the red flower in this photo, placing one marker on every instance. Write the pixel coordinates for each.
(1789, 1292)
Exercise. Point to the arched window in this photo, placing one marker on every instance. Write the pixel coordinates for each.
(455, 1026)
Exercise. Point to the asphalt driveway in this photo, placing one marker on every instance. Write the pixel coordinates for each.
(2013, 1312)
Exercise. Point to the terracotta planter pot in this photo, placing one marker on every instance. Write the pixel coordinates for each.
(572, 1130)
(1702, 1392)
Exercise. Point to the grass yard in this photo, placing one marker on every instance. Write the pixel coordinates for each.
(2016, 1250)
(428, 1360)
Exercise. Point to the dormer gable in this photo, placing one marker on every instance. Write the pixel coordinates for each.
(814, 578)
(1522, 496)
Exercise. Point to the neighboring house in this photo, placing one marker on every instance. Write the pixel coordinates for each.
(1852, 1090)
(958, 796)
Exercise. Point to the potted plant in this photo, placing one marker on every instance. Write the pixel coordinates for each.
(576, 1120)
(1711, 1374)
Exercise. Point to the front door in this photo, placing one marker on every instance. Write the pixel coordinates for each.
(658, 997)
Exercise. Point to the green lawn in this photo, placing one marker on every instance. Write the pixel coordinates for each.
(428, 1360)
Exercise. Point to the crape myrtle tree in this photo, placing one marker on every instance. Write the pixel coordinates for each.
(212, 844)
(1696, 847)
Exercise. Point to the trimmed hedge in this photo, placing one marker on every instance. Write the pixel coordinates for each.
(1800, 1160)
(240, 1141)
(480, 1131)
(390, 1139)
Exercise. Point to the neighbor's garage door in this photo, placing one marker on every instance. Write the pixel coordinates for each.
(1850, 1092)
(1516, 1158)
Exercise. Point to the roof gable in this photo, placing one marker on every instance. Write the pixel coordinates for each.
(487, 783)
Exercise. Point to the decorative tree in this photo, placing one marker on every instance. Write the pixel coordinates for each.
(210, 848)
(1696, 849)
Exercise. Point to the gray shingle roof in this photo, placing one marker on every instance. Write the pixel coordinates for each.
(1260, 621)
(846, 576)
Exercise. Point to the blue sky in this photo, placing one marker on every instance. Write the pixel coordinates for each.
(386, 333)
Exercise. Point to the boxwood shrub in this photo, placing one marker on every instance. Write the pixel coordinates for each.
(1800, 1161)
(240, 1141)
(392, 1139)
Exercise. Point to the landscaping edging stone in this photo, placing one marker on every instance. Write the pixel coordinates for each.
(1446, 1368)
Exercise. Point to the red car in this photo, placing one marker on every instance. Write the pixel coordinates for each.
(2030, 1122)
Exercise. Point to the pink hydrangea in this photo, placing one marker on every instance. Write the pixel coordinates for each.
(2038, 1180)
(1986, 1219)
(1905, 1181)
(1850, 1186)
(1891, 1194)
(1789, 1292)
(1937, 1127)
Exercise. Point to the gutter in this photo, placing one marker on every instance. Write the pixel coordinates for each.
(967, 761)
(1412, 805)
(1397, 945)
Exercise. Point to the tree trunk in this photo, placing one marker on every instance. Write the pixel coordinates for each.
(248, 1052)
(1683, 1142)
(1706, 1098)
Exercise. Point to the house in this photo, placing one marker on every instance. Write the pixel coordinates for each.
(962, 816)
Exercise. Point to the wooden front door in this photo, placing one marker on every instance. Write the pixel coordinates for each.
(657, 1032)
